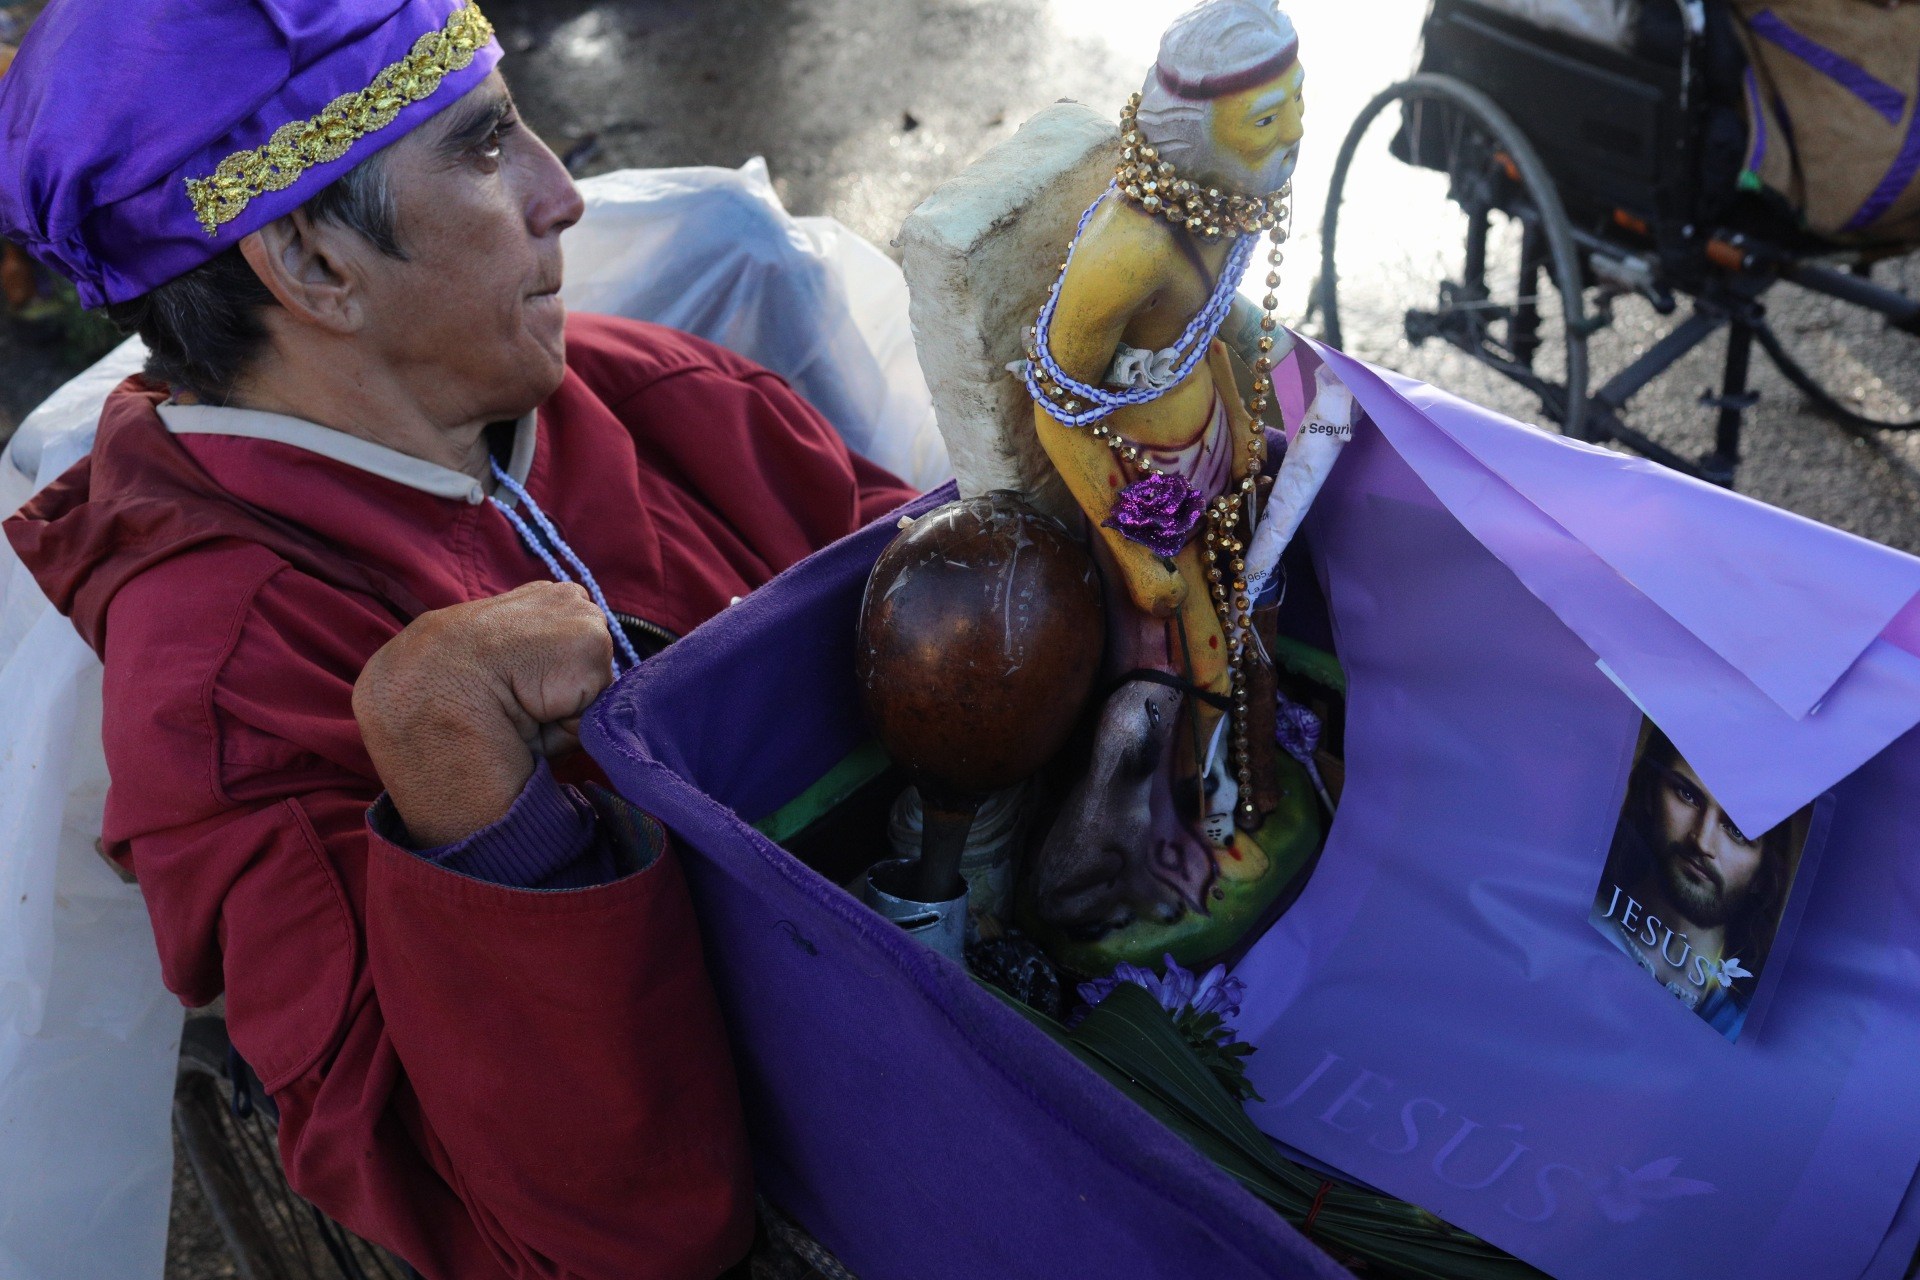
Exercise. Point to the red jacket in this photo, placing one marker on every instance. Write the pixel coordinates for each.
(491, 1081)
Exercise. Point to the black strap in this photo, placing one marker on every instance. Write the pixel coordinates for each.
(1153, 675)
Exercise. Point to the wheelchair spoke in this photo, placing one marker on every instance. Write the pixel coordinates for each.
(271, 1231)
(1431, 205)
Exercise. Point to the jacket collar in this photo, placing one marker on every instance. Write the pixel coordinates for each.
(364, 455)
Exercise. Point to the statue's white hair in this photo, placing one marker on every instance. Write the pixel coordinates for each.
(1210, 40)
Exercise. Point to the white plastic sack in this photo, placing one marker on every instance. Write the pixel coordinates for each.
(88, 1036)
(1608, 22)
(711, 251)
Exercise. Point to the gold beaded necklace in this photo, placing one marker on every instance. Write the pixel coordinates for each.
(1157, 187)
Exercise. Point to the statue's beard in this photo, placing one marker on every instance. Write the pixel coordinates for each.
(1235, 174)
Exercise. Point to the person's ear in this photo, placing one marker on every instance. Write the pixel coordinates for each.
(310, 267)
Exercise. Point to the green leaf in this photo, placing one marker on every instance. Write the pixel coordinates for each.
(1213, 1043)
(1130, 1030)
(1303, 659)
(1137, 1047)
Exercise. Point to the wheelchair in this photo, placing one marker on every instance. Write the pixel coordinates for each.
(228, 1129)
(1517, 221)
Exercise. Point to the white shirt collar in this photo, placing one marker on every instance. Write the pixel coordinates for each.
(363, 455)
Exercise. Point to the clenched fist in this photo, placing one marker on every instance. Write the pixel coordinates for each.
(456, 708)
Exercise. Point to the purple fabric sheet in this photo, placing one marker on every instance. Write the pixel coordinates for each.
(917, 1126)
(1760, 641)
(1895, 1255)
(1435, 1015)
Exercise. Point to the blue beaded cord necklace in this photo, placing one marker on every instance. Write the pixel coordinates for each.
(1102, 402)
(624, 647)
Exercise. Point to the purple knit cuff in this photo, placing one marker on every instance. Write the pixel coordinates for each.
(549, 828)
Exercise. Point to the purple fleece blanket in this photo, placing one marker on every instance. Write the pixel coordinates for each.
(1435, 1016)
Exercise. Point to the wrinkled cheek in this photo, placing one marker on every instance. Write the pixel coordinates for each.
(547, 322)
(442, 318)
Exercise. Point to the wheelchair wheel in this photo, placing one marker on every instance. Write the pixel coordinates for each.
(1446, 255)
(229, 1131)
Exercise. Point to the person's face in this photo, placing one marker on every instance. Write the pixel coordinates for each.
(1256, 133)
(1707, 865)
(472, 318)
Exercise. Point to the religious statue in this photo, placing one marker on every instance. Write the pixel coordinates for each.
(1166, 843)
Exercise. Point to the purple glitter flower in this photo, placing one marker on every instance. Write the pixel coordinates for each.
(1179, 992)
(1297, 730)
(1160, 513)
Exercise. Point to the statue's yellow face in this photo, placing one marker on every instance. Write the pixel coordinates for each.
(1256, 124)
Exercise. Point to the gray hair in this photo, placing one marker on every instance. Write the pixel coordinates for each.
(203, 329)
(1211, 40)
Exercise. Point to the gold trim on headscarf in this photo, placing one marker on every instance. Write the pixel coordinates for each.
(296, 147)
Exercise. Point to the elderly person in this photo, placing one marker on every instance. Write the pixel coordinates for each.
(378, 525)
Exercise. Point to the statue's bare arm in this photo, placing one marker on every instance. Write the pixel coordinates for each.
(1112, 282)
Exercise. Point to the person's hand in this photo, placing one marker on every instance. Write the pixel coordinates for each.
(455, 709)
(1153, 584)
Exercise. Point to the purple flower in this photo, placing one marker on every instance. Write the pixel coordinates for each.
(1160, 513)
(1297, 730)
(1180, 992)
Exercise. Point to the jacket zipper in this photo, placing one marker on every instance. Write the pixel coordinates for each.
(655, 636)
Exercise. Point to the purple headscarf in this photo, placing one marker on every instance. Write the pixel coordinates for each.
(138, 137)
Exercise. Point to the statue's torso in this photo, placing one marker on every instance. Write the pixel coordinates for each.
(1178, 282)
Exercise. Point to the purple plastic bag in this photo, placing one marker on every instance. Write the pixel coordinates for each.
(1435, 1015)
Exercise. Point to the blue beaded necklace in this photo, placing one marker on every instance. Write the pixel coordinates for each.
(1044, 373)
